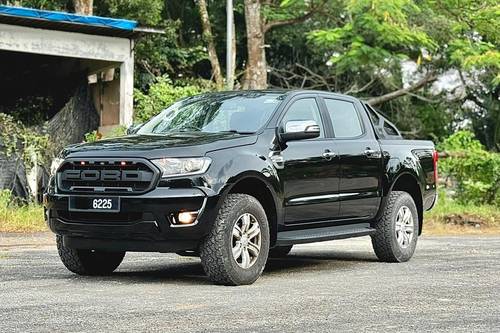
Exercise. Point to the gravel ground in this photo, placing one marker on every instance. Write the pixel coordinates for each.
(452, 284)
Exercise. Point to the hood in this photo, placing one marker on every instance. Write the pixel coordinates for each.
(157, 146)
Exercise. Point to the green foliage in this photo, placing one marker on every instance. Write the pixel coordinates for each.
(476, 171)
(161, 55)
(475, 37)
(374, 35)
(17, 216)
(18, 139)
(30, 110)
(92, 136)
(161, 95)
(448, 212)
(114, 133)
(147, 12)
(62, 5)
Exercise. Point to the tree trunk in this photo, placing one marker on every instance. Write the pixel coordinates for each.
(75, 119)
(233, 47)
(209, 39)
(84, 7)
(256, 69)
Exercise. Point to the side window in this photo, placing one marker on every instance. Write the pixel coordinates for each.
(345, 118)
(305, 109)
(373, 115)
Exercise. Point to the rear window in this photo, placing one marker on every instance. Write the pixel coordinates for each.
(345, 118)
(383, 127)
(373, 116)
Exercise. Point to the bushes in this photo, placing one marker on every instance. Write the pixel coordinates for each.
(16, 138)
(18, 215)
(162, 94)
(476, 170)
(114, 133)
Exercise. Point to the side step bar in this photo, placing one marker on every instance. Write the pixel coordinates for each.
(323, 234)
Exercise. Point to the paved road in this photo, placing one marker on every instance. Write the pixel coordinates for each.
(452, 284)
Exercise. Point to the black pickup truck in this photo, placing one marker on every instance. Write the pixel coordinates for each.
(236, 177)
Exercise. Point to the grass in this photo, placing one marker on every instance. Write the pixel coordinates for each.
(16, 216)
(448, 217)
(21, 218)
(451, 217)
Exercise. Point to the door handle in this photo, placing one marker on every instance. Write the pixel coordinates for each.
(328, 154)
(372, 153)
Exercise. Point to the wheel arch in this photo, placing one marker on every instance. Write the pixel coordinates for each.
(408, 183)
(256, 185)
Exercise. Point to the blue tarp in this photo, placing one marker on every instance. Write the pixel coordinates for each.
(68, 18)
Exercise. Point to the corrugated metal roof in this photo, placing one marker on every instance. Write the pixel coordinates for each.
(62, 21)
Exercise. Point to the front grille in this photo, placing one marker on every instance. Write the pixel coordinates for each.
(105, 176)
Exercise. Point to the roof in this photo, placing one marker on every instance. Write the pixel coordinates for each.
(63, 21)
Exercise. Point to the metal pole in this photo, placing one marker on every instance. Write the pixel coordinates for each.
(229, 45)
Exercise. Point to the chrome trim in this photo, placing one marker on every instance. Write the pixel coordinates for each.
(320, 197)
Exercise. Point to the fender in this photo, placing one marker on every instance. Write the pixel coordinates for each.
(394, 170)
(229, 169)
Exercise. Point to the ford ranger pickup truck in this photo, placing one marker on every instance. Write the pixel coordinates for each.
(237, 177)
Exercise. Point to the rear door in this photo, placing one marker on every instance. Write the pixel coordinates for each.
(310, 176)
(360, 158)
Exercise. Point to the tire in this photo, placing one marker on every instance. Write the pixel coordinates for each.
(280, 251)
(216, 249)
(391, 245)
(88, 262)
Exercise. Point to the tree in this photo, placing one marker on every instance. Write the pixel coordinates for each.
(261, 16)
(84, 7)
(361, 47)
(474, 49)
(256, 70)
(209, 39)
(371, 41)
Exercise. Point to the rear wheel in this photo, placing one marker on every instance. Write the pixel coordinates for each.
(397, 230)
(88, 262)
(236, 249)
(280, 251)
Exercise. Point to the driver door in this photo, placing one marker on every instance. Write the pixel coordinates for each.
(310, 176)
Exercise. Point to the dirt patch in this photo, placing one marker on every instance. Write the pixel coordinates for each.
(465, 220)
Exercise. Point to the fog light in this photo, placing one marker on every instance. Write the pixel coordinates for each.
(187, 217)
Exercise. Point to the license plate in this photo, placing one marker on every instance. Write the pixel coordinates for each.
(94, 204)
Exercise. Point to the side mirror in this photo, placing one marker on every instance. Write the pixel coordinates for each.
(132, 129)
(300, 130)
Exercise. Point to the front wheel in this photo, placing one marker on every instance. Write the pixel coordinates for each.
(236, 249)
(88, 262)
(397, 229)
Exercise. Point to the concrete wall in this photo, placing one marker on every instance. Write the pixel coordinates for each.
(100, 52)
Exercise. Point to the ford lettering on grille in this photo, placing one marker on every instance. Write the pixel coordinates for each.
(106, 176)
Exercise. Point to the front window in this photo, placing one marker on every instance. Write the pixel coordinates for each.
(224, 112)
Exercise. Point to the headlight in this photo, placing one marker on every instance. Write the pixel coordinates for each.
(171, 167)
(56, 163)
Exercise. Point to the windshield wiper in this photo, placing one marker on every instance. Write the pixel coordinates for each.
(237, 132)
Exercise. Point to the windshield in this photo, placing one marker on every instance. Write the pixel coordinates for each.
(225, 112)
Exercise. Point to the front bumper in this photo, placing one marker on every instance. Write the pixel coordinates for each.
(144, 222)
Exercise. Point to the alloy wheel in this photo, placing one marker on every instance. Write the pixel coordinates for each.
(404, 227)
(246, 240)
